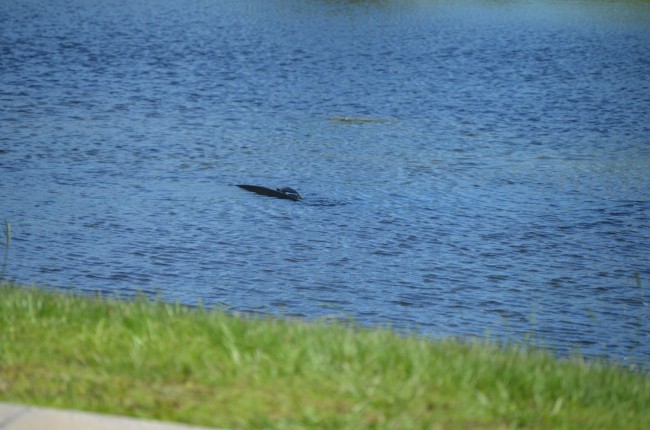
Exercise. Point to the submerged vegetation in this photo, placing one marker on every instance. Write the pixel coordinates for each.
(166, 361)
(7, 232)
(357, 119)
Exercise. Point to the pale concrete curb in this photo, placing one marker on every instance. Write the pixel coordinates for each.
(20, 417)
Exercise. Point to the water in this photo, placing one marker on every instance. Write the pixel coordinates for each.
(502, 187)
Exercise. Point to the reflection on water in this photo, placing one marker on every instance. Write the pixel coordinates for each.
(467, 168)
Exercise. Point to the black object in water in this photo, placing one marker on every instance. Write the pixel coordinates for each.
(279, 193)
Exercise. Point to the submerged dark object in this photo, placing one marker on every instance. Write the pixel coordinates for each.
(279, 193)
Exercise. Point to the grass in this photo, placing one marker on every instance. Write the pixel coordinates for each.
(165, 361)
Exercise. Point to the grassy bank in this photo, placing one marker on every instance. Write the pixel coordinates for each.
(169, 362)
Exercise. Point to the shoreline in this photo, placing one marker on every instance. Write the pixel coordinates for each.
(164, 361)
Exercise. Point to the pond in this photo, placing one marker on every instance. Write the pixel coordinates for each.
(475, 168)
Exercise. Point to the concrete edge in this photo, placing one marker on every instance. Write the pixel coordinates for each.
(23, 417)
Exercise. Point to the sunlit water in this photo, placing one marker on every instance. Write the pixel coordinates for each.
(502, 186)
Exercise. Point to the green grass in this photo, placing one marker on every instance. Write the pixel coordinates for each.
(165, 361)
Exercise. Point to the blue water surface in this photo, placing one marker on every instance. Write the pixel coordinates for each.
(468, 168)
